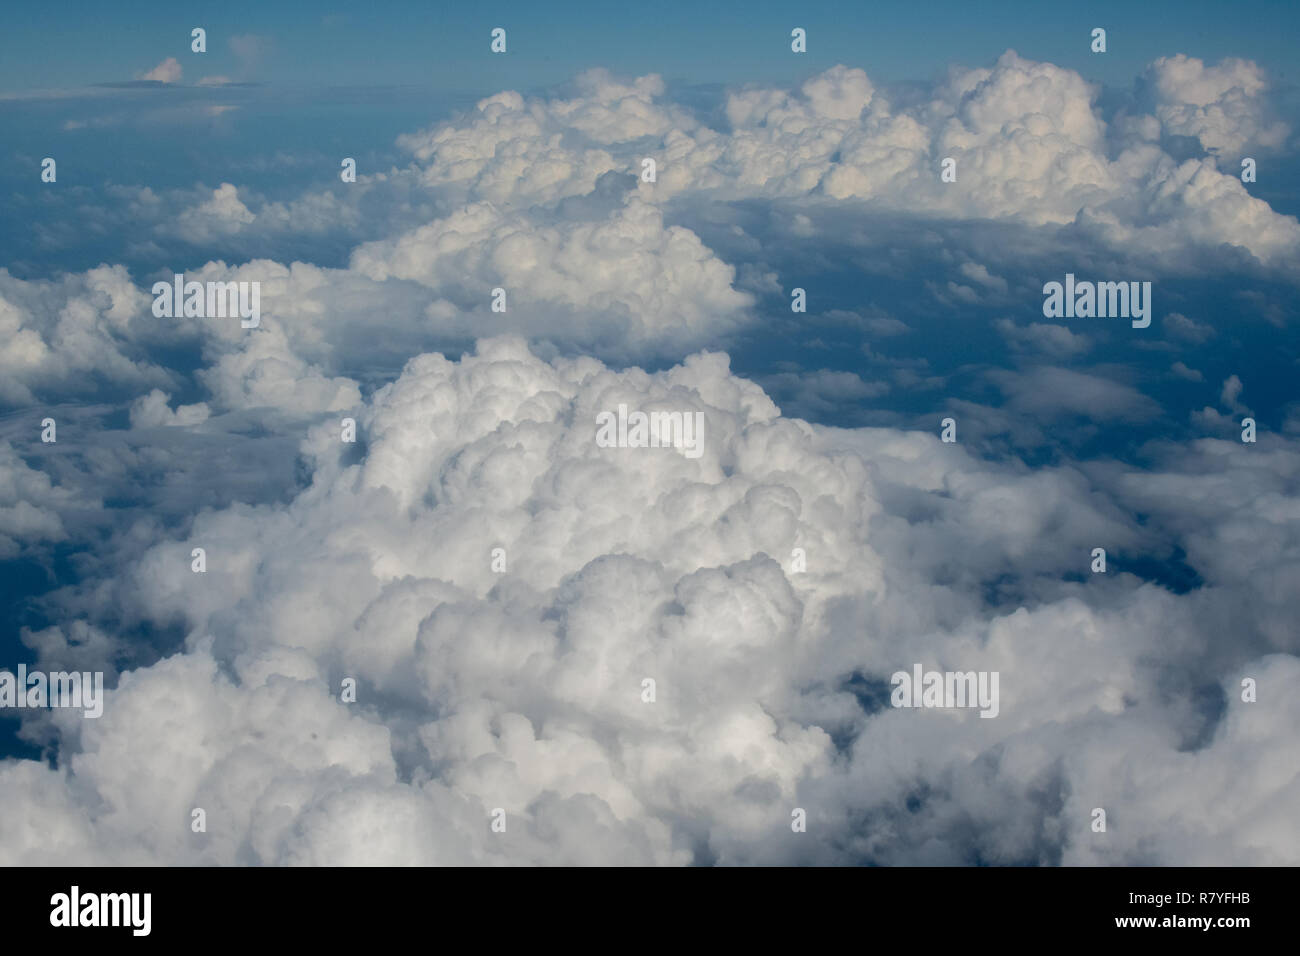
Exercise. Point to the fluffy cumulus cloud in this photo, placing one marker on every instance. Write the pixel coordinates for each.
(514, 678)
(1222, 106)
(31, 505)
(223, 213)
(509, 149)
(168, 71)
(153, 411)
(71, 335)
(629, 277)
(95, 333)
(1029, 141)
(546, 199)
(500, 586)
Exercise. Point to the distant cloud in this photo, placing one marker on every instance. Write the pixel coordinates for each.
(1223, 106)
(222, 214)
(1181, 327)
(1030, 140)
(250, 49)
(1048, 393)
(1053, 340)
(152, 411)
(168, 71)
(981, 274)
(1231, 391)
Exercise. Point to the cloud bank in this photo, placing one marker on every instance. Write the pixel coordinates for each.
(500, 587)
(522, 689)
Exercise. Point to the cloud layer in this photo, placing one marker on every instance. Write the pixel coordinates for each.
(522, 689)
(500, 587)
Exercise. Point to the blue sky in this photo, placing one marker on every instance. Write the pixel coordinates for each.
(442, 45)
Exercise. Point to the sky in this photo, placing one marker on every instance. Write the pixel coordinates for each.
(430, 596)
(437, 45)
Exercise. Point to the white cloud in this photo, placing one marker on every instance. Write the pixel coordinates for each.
(63, 337)
(1028, 138)
(522, 690)
(264, 372)
(1181, 327)
(1047, 393)
(1231, 392)
(628, 278)
(168, 71)
(542, 197)
(1055, 341)
(30, 505)
(152, 411)
(1222, 106)
(222, 214)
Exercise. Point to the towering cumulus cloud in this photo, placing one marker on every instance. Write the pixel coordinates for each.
(513, 678)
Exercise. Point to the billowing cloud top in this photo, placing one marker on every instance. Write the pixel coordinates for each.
(513, 679)
(501, 586)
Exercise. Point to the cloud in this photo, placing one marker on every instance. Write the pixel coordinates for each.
(266, 373)
(628, 277)
(168, 71)
(250, 49)
(1048, 393)
(522, 690)
(30, 505)
(1231, 392)
(1181, 327)
(521, 687)
(1029, 140)
(1222, 106)
(543, 197)
(1055, 341)
(222, 214)
(824, 391)
(152, 411)
(67, 337)
(981, 275)
(509, 149)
